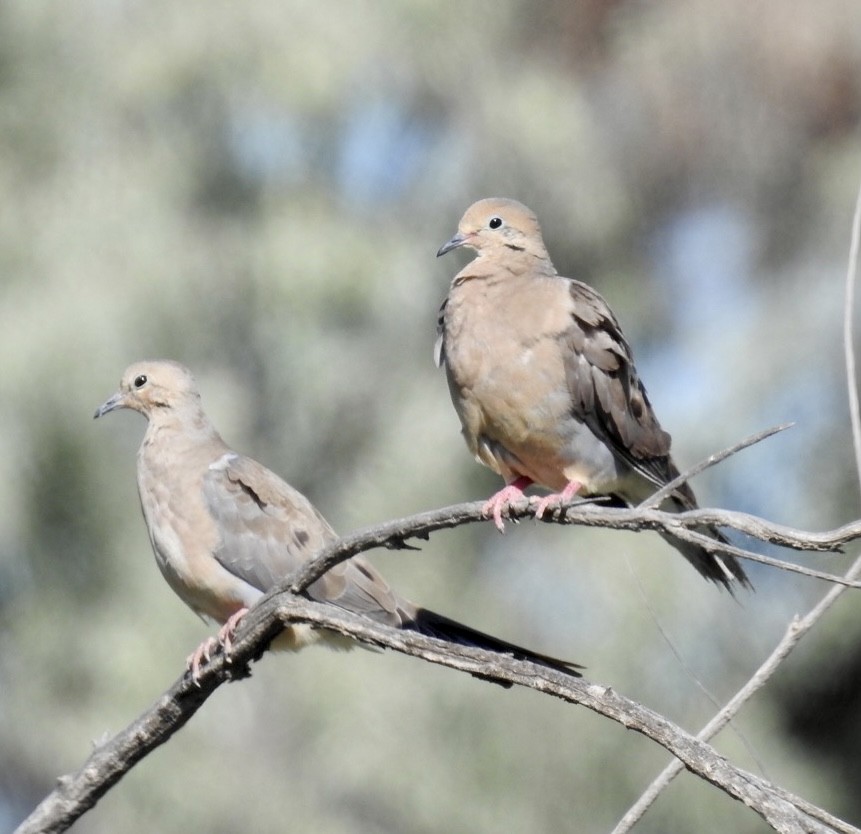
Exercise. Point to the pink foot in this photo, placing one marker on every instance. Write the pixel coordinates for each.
(224, 638)
(503, 499)
(557, 499)
(227, 631)
(200, 655)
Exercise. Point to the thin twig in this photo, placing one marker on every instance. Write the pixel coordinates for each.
(655, 498)
(680, 659)
(713, 546)
(848, 335)
(797, 629)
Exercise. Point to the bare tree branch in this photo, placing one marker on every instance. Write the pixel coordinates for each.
(108, 762)
(798, 628)
(586, 513)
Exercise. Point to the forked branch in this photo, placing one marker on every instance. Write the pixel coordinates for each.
(110, 761)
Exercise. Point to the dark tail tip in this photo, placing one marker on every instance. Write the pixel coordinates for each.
(435, 625)
(721, 568)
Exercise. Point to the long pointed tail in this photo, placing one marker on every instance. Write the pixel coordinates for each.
(722, 569)
(436, 625)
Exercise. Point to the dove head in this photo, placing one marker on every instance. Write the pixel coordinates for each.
(498, 225)
(154, 389)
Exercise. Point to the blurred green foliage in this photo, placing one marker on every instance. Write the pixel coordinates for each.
(258, 190)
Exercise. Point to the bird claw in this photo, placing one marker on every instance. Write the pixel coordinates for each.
(228, 630)
(493, 509)
(502, 501)
(557, 499)
(200, 655)
(224, 639)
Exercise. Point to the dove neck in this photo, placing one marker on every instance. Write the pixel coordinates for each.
(178, 431)
(497, 271)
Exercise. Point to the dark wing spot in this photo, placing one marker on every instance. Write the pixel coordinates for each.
(252, 494)
(637, 408)
(300, 537)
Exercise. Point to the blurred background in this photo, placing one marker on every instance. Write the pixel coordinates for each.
(258, 190)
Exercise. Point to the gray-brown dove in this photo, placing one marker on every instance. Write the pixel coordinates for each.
(225, 529)
(544, 381)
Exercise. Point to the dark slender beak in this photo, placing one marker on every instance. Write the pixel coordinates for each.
(458, 240)
(110, 404)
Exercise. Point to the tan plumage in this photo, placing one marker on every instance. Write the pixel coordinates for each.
(225, 529)
(544, 382)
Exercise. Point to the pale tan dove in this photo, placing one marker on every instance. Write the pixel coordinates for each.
(544, 382)
(225, 529)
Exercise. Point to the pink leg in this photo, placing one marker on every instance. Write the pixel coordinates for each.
(503, 499)
(557, 499)
(200, 655)
(226, 632)
(224, 638)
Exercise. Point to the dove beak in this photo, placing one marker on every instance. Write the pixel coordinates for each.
(458, 240)
(111, 404)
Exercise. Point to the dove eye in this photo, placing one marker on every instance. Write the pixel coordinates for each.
(140, 381)
(495, 222)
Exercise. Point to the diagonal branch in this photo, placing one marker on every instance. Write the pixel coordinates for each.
(669, 488)
(110, 761)
(799, 627)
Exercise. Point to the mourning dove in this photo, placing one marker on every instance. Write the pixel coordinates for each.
(225, 529)
(544, 382)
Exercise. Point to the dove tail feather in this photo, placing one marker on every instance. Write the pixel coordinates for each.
(436, 625)
(722, 569)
